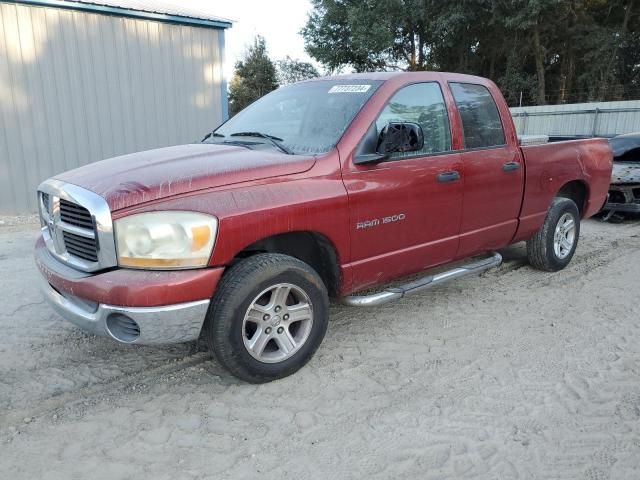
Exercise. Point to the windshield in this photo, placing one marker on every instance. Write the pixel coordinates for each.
(304, 118)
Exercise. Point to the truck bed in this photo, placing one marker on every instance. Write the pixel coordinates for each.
(550, 166)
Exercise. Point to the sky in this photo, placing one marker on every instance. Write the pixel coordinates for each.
(278, 21)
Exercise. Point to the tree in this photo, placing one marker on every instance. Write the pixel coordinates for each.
(547, 50)
(365, 34)
(291, 71)
(254, 76)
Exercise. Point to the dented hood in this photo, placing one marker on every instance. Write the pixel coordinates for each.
(141, 177)
(626, 148)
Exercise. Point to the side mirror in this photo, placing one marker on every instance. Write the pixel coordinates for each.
(400, 137)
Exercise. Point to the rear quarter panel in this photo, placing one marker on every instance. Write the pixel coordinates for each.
(551, 166)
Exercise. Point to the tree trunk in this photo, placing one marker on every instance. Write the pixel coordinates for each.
(412, 61)
(571, 75)
(539, 56)
(492, 65)
(567, 69)
(567, 73)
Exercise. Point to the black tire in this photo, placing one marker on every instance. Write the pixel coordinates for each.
(224, 331)
(540, 248)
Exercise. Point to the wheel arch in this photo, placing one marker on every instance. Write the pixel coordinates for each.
(311, 247)
(576, 190)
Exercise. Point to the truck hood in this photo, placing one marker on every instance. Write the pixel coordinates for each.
(626, 148)
(142, 177)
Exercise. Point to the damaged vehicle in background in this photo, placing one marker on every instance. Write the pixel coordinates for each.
(624, 191)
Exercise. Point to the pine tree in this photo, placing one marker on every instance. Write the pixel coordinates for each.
(254, 76)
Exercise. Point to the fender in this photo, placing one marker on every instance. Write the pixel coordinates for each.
(313, 201)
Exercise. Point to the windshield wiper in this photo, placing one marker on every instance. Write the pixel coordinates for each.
(273, 139)
(212, 134)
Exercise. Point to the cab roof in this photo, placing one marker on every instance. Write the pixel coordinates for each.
(424, 75)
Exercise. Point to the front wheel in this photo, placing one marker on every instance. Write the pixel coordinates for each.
(267, 318)
(553, 246)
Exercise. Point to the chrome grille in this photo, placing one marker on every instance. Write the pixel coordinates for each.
(46, 202)
(77, 226)
(71, 228)
(77, 215)
(80, 246)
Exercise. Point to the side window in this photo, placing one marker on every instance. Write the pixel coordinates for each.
(421, 103)
(480, 118)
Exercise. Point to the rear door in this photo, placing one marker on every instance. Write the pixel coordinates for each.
(405, 212)
(493, 172)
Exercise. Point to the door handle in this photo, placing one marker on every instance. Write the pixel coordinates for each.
(446, 177)
(510, 166)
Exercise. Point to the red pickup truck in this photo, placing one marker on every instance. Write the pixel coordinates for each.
(318, 190)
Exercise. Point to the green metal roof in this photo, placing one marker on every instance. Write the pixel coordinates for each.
(142, 9)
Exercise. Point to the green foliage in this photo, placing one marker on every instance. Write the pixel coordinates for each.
(291, 71)
(551, 51)
(254, 76)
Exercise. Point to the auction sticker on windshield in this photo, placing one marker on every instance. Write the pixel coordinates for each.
(349, 88)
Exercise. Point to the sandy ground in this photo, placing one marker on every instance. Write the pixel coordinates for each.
(515, 374)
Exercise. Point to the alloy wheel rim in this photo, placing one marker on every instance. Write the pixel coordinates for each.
(564, 236)
(277, 323)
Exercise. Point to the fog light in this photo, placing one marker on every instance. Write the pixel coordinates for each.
(122, 328)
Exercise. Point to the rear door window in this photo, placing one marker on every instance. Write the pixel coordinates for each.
(481, 123)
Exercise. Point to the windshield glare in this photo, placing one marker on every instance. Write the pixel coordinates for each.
(309, 117)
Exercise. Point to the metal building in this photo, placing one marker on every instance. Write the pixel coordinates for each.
(81, 81)
(598, 119)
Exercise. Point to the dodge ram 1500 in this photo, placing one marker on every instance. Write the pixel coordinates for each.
(318, 190)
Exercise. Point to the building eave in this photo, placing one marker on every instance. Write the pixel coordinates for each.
(126, 12)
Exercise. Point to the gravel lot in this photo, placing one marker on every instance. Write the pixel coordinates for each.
(516, 374)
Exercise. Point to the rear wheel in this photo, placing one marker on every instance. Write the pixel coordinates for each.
(267, 318)
(553, 246)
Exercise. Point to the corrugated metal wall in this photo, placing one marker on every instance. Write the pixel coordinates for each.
(80, 87)
(605, 119)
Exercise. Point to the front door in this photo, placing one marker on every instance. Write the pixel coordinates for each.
(405, 212)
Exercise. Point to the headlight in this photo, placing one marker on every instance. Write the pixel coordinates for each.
(165, 239)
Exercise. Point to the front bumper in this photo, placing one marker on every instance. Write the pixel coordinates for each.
(141, 325)
(130, 306)
(624, 198)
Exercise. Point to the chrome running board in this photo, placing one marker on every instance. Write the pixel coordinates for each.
(394, 293)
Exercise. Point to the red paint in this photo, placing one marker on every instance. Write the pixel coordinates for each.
(492, 197)
(137, 288)
(153, 175)
(257, 194)
(552, 165)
